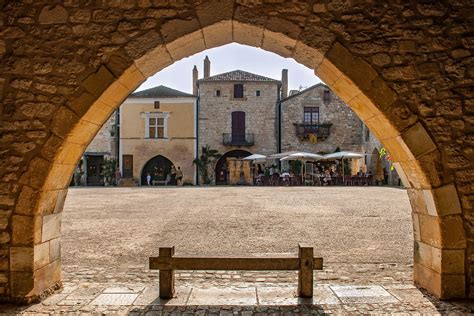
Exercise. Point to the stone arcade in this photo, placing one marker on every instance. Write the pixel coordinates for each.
(404, 67)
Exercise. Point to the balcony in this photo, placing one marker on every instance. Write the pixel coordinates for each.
(321, 131)
(238, 139)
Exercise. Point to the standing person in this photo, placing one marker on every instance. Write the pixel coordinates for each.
(118, 176)
(179, 177)
(148, 179)
(173, 173)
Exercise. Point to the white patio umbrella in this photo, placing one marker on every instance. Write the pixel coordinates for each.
(303, 156)
(343, 155)
(282, 155)
(256, 158)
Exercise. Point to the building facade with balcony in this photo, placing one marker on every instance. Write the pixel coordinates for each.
(238, 115)
(316, 120)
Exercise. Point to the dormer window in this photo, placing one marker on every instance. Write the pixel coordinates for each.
(238, 91)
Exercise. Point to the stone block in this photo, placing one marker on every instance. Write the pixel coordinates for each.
(415, 174)
(446, 200)
(380, 93)
(417, 201)
(22, 230)
(55, 249)
(51, 227)
(22, 284)
(307, 56)
(176, 29)
(214, 11)
(363, 107)
(96, 83)
(430, 230)
(427, 278)
(59, 177)
(36, 173)
(278, 43)
(112, 96)
(355, 68)
(452, 232)
(186, 45)
(345, 88)
(416, 227)
(401, 174)
(327, 72)
(154, 61)
(41, 255)
(47, 276)
(26, 201)
(132, 77)
(63, 122)
(382, 128)
(218, 34)
(69, 153)
(424, 255)
(21, 259)
(448, 261)
(83, 132)
(453, 286)
(418, 140)
(246, 34)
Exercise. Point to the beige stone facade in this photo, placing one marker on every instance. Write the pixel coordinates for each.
(178, 144)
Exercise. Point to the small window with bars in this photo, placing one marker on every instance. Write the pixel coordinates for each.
(156, 127)
(257, 93)
(218, 93)
(157, 104)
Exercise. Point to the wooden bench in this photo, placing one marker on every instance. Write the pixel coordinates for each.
(305, 263)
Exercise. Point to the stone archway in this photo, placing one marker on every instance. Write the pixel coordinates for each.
(66, 67)
(221, 168)
(158, 167)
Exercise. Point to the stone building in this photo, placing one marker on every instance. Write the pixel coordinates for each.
(316, 120)
(103, 147)
(237, 114)
(157, 133)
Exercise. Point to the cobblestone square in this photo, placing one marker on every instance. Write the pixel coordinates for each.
(363, 233)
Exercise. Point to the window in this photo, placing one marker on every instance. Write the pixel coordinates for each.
(156, 125)
(157, 104)
(238, 91)
(311, 115)
(257, 93)
(327, 96)
(218, 93)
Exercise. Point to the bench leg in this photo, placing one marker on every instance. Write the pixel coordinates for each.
(166, 276)
(305, 274)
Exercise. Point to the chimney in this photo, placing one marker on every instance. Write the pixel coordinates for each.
(195, 79)
(207, 67)
(284, 83)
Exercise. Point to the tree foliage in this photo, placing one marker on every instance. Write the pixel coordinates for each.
(205, 162)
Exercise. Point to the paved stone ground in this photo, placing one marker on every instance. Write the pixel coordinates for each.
(364, 234)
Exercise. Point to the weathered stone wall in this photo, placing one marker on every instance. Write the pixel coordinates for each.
(406, 69)
(260, 115)
(346, 129)
(106, 139)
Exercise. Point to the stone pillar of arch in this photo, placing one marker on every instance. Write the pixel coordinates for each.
(405, 69)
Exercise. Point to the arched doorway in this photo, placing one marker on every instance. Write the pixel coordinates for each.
(158, 168)
(221, 165)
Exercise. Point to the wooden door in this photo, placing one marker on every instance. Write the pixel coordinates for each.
(127, 166)
(238, 126)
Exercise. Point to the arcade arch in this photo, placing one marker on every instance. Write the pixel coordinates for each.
(376, 78)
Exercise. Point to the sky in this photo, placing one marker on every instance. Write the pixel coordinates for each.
(232, 57)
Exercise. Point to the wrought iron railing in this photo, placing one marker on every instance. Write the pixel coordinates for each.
(321, 131)
(229, 139)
